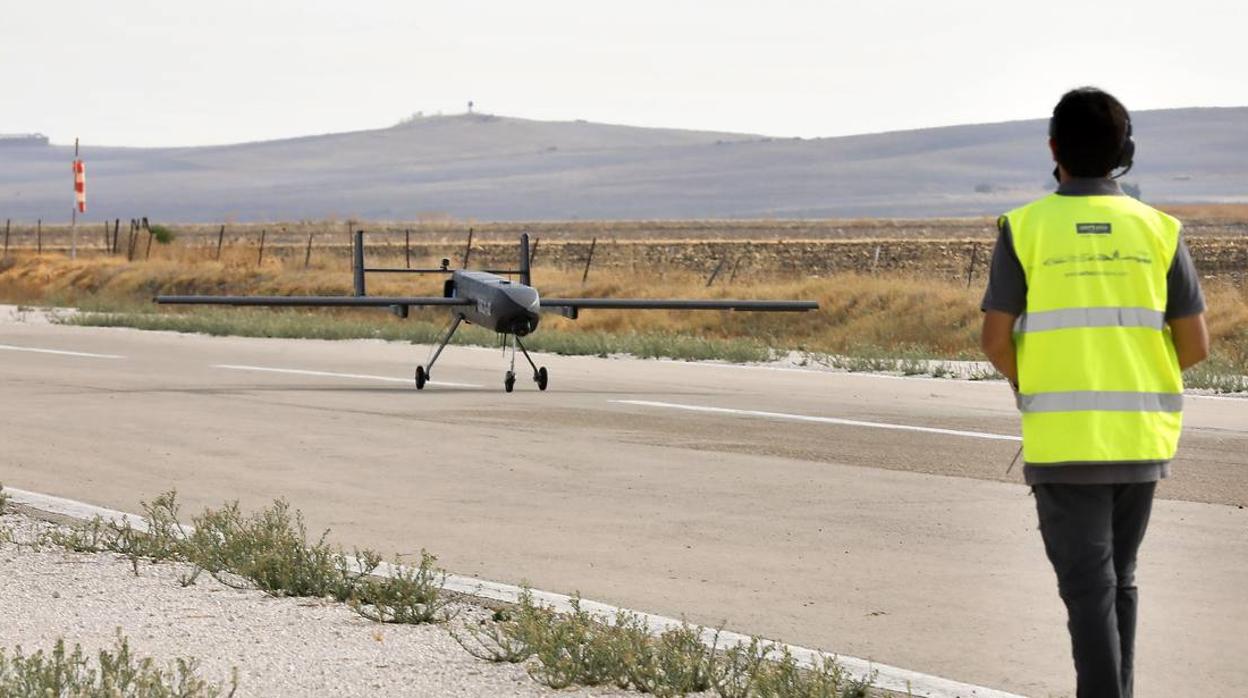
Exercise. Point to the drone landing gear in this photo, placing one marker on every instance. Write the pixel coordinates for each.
(422, 372)
(540, 375)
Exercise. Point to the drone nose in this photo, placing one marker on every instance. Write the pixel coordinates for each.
(526, 297)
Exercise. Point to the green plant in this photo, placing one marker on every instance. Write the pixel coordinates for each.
(411, 595)
(162, 234)
(267, 550)
(736, 671)
(270, 551)
(675, 663)
(506, 637)
(163, 540)
(4, 499)
(576, 648)
(117, 674)
(785, 678)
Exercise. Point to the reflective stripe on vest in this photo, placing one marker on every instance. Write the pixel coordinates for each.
(1100, 401)
(1099, 380)
(1067, 318)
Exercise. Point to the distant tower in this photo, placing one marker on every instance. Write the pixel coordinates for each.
(470, 106)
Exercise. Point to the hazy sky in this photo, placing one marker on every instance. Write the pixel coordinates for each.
(168, 72)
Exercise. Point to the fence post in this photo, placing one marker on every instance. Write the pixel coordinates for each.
(7, 222)
(357, 262)
(131, 240)
(220, 239)
(718, 268)
(407, 247)
(260, 259)
(589, 259)
(468, 249)
(735, 266)
(116, 233)
(39, 237)
(148, 253)
(307, 256)
(970, 268)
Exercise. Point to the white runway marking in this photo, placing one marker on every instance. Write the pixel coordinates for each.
(886, 676)
(60, 352)
(331, 374)
(819, 420)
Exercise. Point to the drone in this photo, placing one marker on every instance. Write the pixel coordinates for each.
(487, 298)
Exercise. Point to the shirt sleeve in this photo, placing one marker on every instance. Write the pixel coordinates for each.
(1007, 284)
(1184, 296)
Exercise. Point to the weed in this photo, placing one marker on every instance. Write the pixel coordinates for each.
(411, 595)
(162, 541)
(575, 648)
(163, 234)
(119, 675)
(4, 499)
(737, 670)
(785, 678)
(675, 663)
(494, 641)
(268, 550)
(1219, 374)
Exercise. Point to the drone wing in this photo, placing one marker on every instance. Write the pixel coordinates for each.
(570, 307)
(316, 301)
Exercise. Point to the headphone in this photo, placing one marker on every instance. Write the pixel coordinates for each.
(1126, 152)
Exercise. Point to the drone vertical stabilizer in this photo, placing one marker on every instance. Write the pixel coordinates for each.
(524, 260)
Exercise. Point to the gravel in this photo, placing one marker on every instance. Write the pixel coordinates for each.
(280, 646)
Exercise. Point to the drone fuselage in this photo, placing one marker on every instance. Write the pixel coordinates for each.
(495, 302)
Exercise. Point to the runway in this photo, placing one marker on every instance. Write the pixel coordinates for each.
(864, 515)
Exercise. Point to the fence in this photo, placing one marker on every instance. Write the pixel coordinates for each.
(1220, 251)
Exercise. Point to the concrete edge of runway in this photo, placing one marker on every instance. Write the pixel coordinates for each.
(886, 677)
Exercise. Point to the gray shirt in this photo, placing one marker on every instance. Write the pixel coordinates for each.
(1007, 292)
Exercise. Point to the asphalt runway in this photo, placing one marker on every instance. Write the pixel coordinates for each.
(864, 515)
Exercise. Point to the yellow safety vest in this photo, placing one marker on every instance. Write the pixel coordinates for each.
(1099, 380)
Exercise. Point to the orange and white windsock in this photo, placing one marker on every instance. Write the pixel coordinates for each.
(80, 185)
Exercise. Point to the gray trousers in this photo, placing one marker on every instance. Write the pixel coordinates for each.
(1091, 535)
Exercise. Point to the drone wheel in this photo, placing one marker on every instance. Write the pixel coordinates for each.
(509, 382)
(421, 377)
(542, 378)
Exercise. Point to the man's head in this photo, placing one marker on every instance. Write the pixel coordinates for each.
(1088, 133)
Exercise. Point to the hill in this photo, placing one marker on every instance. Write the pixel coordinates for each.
(486, 167)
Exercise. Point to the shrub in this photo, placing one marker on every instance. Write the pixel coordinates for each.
(119, 675)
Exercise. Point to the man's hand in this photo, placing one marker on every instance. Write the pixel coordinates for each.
(1191, 339)
(997, 341)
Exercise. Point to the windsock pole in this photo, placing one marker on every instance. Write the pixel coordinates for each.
(80, 201)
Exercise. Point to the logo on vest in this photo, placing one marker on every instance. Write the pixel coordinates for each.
(1093, 228)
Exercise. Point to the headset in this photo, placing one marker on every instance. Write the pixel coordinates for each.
(1126, 152)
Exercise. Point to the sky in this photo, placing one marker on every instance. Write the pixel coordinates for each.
(170, 72)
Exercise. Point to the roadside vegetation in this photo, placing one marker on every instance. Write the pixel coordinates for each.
(911, 324)
(114, 673)
(270, 550)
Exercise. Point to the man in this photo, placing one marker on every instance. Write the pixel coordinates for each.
(1092, 311)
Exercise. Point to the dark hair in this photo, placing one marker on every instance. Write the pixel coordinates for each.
(1089, 127)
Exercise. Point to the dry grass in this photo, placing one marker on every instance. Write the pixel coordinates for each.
(911, 315)
(1210, 212)
(930, 316)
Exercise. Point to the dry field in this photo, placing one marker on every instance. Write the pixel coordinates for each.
(911, 305)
